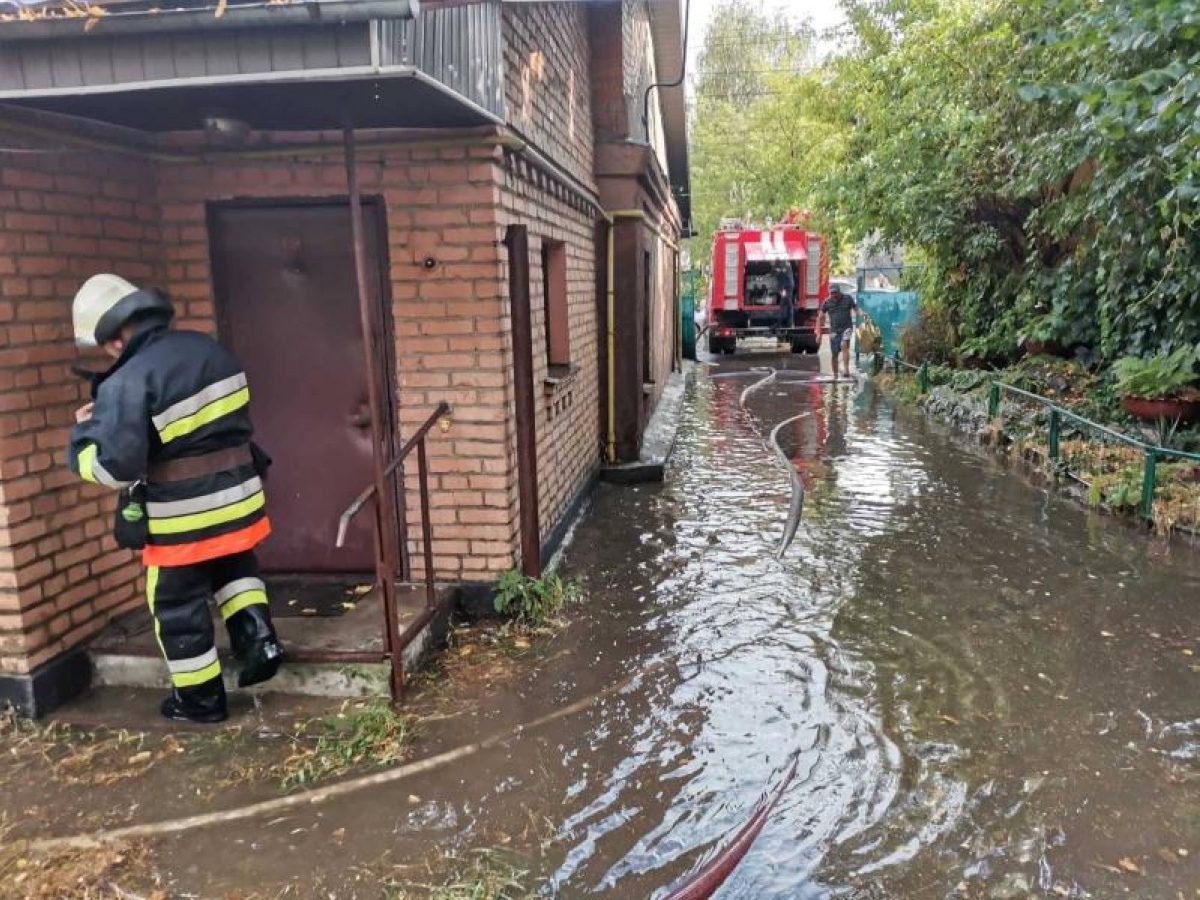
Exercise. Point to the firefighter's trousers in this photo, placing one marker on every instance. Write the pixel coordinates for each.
(179, 599)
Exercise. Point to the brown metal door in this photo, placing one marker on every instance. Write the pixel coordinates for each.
(288, 307)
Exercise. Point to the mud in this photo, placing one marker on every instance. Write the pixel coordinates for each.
(990, 693)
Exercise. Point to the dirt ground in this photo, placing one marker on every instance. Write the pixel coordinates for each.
(72, 776)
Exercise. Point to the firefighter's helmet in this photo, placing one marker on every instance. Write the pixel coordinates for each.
(105, 303)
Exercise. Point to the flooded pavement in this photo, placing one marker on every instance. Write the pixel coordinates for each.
(990, 692)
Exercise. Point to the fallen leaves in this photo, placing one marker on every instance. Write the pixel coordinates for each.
(1128, 865)
(97, 872)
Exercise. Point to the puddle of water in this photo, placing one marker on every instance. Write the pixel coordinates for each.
(932, 646)
(985, 686)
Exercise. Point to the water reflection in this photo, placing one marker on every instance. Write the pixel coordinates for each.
(932, 647)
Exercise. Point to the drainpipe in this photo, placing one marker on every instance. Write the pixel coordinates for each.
(386, 540)
(611, 444)
(687, 21)
(612, 218)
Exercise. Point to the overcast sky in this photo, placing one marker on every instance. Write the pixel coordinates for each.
(824, 14)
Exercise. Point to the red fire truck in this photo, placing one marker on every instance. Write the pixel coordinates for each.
(753, 267)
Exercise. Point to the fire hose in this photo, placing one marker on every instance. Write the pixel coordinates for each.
(796, 504)
(704, 882)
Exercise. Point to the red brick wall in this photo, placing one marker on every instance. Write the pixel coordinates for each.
(662, 322)
(610, 111)
(449, 321)
(64, 217)
(568, 436)
(547, 88)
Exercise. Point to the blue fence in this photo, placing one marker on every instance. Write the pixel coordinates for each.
(891, 311)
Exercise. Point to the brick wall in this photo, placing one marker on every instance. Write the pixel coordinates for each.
(568, 437)
(663, 313)
(64, 217)
(450, 322)
(610, 112)
(547, 81)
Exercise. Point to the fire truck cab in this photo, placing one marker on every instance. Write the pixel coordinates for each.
(759, 275)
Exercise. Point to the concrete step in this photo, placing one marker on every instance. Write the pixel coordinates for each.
(328, 656)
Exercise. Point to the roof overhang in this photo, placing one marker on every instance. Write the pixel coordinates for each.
(669, 59)
(308, 65)
(28, 21)
(314, 101)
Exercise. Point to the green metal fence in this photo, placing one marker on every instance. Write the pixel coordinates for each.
(687, 312)
(1152, 454)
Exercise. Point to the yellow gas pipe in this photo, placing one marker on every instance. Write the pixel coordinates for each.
(612, 217)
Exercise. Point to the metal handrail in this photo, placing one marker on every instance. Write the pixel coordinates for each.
(1152, 453)
(442, 410)
(395, 641)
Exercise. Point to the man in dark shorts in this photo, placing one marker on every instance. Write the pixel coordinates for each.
(841, 310)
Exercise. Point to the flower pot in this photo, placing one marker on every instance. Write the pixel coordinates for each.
(1150, 410)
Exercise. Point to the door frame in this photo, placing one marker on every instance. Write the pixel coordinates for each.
(375, 209)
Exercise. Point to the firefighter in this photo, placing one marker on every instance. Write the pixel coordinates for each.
(169, 427)
(786, 281)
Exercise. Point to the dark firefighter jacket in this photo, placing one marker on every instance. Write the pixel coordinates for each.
(175, 394)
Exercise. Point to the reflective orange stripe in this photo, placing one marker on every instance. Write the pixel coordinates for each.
(202, 551)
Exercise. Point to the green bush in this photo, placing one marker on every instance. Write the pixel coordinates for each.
(933, 338)
(532, 602)
(1161, 375)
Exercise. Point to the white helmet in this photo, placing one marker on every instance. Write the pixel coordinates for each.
(105, 303)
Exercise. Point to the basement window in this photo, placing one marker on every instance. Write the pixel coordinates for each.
(558, 324)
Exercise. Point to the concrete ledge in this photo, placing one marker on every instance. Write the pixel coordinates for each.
(48, 686)
(343, 680)
(133, 664)
(658, 442)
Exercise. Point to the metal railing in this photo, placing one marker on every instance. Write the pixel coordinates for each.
(922, 371)
(396, 641)
(1152, 454)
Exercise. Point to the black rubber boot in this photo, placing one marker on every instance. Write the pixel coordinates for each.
(261, 663)
(254, 643)
(207, 709)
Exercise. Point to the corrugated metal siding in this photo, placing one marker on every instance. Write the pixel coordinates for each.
(96, 60)
(460, 47)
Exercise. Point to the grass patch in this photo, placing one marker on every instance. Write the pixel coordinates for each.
(82, 758)
(362, 734)
(488, 874)
(119, 871)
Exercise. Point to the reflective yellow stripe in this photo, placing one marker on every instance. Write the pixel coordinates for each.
(197, 521)
(206, 415)
(240, 602)
(200, 676)
(151, 587)
(87, 463)
(179, 679)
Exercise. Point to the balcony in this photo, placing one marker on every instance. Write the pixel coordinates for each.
(286, 66)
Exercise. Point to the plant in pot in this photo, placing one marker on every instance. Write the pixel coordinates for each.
(1163, 386)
